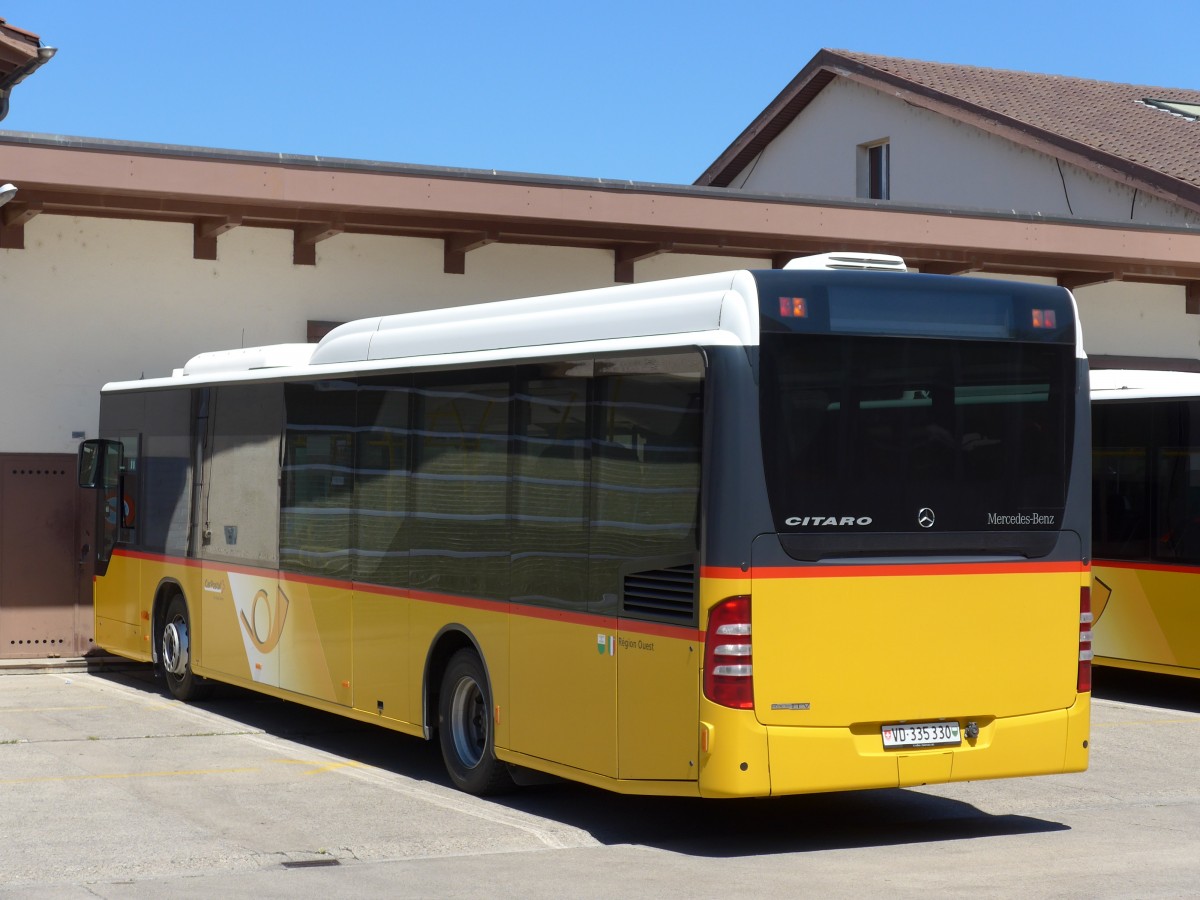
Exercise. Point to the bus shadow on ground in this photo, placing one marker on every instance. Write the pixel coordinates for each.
(1172, 692)
(706, 828)
(753, 827)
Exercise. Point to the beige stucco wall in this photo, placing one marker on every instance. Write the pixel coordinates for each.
(936, 161)
(96, 300)
(1120, 319)
(1138, 320)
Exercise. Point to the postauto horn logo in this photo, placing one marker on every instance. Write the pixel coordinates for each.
(265, 625)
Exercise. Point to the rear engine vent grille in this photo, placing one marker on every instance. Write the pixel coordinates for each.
(664, 594)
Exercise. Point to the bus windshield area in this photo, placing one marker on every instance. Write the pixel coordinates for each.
(869, 434)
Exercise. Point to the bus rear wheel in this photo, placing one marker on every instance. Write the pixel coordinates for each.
(465, 727)
(175, 653)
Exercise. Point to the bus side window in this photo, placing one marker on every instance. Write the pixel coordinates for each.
(645, 477)
(121, 501)
(317, 478)
(459, 493)
(1119, 502)
(382, 525)
(1121, 481)
(1179, 504)
(551, 467)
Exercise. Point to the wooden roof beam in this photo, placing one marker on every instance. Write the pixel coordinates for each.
(455, 248)
(1192, 298)
(306, 237)
(626, 255)
(1072, 281)
(12, 223)
(20, 213)
(941, 267)
(205, 232)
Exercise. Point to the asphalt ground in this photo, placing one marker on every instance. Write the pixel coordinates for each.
(109, 788)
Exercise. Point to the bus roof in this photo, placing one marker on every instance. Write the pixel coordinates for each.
(702, 310)
(720, 309)
(699, 310)
(1139, 384)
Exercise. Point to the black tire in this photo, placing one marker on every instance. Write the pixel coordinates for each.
(175, 653)
(465, 727)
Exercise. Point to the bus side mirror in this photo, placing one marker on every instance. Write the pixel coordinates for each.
(100, 464)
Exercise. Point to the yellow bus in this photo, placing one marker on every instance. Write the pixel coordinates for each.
(743, 534)
(1146, 506)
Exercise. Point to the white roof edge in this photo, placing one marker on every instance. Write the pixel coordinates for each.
(270, 356)
(714, 309)
(648, 343)
(600, 313)
(1131, 384)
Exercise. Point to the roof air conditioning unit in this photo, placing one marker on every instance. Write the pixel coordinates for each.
(874, 262)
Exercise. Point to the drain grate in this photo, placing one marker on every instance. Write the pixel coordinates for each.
(310, 863)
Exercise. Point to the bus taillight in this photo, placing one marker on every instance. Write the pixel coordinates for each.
(1084, 682)
(728, 660)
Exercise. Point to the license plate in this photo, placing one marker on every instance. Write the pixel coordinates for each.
(922, 734)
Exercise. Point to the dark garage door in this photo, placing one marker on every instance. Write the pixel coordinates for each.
(45, 574)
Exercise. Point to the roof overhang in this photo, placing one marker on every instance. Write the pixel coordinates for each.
(21, 54)
(315, 198)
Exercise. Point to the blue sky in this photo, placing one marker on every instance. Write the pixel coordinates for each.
(625, 89)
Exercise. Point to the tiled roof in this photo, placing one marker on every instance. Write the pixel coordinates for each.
(21, 53)
(17, 47)
(1101, 123)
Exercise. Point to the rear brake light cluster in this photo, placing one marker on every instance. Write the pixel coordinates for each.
(1084, 681)
(1044, 318)
(728, 656)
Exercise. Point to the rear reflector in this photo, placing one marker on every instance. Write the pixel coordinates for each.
(1083, 683)
(728, 655)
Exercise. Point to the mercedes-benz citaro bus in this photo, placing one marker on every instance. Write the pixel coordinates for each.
(1146, 507)
(745, 534)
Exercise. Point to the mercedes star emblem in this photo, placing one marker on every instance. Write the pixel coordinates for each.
(925, 517)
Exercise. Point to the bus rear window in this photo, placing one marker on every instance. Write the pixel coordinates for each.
(868, 435)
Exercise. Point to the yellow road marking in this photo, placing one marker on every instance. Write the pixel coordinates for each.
(321, 766)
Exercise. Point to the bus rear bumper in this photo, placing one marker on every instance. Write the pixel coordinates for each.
(749, 759)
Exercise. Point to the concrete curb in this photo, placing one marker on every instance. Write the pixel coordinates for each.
(62, 664)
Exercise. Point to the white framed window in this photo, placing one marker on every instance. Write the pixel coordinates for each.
(874, 170)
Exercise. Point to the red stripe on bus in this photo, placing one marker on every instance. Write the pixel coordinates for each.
(858, 571)
(1148, 566)
(570, 617)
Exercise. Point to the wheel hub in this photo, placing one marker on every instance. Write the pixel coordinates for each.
(175, 647)
(468, 722)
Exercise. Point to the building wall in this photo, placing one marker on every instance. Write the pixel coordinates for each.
(1121, 319)
(96, 300)
(1138, 320)
(937, 161)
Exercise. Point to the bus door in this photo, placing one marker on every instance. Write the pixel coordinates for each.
(242, 610)
(111, 467)
(648, 502)
(313, 605)
(563, 668)
(658, 674)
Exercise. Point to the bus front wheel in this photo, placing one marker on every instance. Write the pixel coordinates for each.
(465, 727)
(175, 652)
